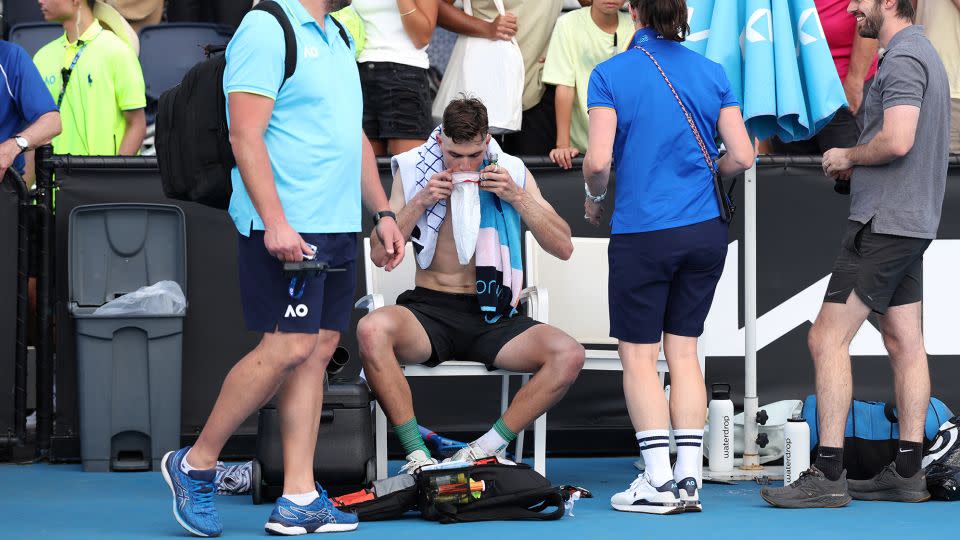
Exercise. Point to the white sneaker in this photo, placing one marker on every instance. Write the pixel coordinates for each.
(690, 495)
(472, 452)
(415, 460)
(641, 496)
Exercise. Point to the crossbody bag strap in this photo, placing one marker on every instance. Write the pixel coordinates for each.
(693, 126)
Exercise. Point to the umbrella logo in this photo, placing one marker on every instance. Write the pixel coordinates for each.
(752, 34)
(807, 38)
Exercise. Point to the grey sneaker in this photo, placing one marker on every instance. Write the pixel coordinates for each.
(888, 485)
(811, 490)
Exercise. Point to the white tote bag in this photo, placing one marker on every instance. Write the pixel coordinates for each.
(490, 70)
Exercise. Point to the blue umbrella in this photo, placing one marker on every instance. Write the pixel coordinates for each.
(777, 59)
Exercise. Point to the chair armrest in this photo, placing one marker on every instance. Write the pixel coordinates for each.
(370, 302)
(538, 303)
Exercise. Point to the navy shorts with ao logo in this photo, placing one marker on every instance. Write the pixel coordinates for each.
(327, 299)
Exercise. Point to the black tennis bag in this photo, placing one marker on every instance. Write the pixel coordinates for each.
(486, 491)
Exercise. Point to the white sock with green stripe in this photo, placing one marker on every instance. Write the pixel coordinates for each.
(655, 447)
(497, 439)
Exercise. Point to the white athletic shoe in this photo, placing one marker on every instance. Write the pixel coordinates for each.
(690, 495)
(641, 496)
(415, 460)
(472, 452)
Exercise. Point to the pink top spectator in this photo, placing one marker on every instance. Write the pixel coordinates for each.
(839, 27)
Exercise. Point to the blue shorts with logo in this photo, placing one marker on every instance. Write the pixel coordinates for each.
(663, 281)
(326, 301)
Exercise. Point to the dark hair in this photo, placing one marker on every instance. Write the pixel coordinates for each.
(667, 17)
(91, 3)
(464, 119)
(905, 9)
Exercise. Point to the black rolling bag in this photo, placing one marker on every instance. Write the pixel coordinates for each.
(345, 456)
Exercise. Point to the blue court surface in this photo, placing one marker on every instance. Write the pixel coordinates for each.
(61, 501)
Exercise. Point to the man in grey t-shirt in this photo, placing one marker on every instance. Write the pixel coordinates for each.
(898, 175)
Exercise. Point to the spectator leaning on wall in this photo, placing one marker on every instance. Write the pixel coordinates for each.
(581, 40)
(530, 22)
(941, 22)
(94, 76)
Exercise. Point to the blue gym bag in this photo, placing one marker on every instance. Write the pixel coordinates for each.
(872, 433)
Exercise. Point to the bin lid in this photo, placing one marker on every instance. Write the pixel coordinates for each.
(115, 249)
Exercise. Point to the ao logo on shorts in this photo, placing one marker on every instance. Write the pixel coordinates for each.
(300, 310)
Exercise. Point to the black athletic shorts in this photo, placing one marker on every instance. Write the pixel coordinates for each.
(884, 270)
(456, 328)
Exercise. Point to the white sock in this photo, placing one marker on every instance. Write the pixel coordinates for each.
(491, 442)
(302, 499)
(655, 447)
(689, 454)
(186, 467)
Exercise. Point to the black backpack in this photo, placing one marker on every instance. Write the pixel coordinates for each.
(509, 492)
(192, 137)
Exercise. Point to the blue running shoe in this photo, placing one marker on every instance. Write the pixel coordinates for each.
(320, 516)
(192, 496)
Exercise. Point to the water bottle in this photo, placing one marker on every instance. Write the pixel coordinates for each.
(721, 429)
(796, 449)
(456, 488)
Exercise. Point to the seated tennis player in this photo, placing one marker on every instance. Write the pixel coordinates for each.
(467, 311)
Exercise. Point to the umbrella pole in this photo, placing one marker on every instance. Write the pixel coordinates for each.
(751, 457)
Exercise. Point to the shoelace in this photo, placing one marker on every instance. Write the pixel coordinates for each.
(203, 495)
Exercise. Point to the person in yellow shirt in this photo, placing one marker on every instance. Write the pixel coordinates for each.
(95, 78)
(581, 40)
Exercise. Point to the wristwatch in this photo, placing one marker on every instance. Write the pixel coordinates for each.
(22, 143)
(594, 198)
(380, 215)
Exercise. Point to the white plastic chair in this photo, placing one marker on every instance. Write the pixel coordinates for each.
(382, 290)
(578, 299)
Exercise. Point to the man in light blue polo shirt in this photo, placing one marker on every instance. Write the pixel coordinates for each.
(303, 162)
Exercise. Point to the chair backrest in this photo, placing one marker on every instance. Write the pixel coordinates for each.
(169, 50)
(21, 11)
(577, 288)
(390, 284)
(34, 35)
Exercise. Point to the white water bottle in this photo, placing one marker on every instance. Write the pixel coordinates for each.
(720, 440)
(796, 449)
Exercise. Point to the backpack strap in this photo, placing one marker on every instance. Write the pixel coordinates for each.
(507, 507)
(289, 36)
(343, 32)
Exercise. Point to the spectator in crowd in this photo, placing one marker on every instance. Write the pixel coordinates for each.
(448, 315)
(228, 12)
(139, 13)
(95, 78)
(899, 175)
(530, 22)
(941, 21)
(856, 60)
(393, 72)
(581, 40)
(302, 171)
(28, 115)
(668, 244)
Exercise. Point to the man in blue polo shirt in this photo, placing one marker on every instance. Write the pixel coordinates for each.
(303, 162)
(28, 115)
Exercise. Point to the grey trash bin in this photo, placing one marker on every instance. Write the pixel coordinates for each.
(128, 366)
